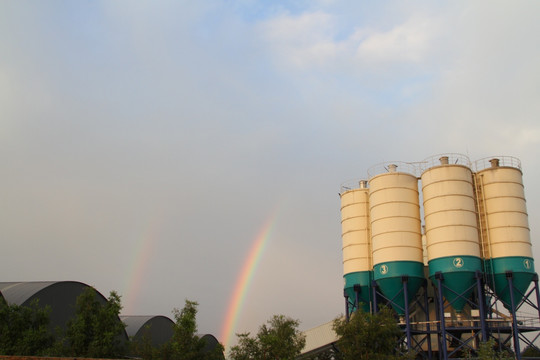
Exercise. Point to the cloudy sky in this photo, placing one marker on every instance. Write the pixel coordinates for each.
(144, 144)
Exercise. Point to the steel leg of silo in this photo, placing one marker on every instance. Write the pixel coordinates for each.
(346, 305)
(439, 277)
(356, 296)
(481, 304)
(535, 281)
(515, 331)
(428, 328)
(438, 323)
(374, 287)
(404, 281)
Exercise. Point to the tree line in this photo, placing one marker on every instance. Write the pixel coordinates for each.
(95, 331)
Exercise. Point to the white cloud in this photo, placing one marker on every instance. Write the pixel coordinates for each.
(486, 95)
(528, 137)
(410, 41)
(313, 41)
(304, 40)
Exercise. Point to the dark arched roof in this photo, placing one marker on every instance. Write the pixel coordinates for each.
(60, 296)
(210, 342)
(158, 328)
(18, 293)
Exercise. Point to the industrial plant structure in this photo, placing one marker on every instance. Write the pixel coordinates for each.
(457, 270)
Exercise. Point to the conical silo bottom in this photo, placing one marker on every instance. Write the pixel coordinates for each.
(459, 274)
(389, 277)
(363, 280)
(522, 269)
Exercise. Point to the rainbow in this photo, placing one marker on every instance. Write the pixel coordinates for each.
(242, 284)
(142, 255)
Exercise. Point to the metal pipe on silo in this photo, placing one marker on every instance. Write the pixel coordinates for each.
(356, 241)
(396, 234)
(505, 228)
(451, 226)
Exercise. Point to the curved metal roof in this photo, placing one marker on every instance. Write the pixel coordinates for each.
(210, 342)
(60, 296)
(19, 292)
(159, 328)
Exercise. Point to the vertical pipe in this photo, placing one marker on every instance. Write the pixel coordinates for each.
(515, 331)
(481, 304)
(439, 277)
(404, 281)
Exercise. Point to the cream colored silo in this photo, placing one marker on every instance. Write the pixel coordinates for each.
(396, 233)
(451, 225)
(505, 228)
(355, 225)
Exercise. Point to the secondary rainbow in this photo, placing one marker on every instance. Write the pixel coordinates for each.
(242, 284)
(139, 264)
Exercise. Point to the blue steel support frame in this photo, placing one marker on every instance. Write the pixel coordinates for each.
(442, 338)
(481, 328)
(428, 327)
(346, 305)
(357, 290)
(481, 304)
(515, 330)
(404, 281)
(375, 308)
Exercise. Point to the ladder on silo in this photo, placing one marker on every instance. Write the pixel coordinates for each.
(482, 216)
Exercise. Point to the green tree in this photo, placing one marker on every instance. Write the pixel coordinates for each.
(143, 347)
(248, 348)
(279, 339)
(24, 330)
(531, 351)
(367, 336)
(488, 350)
(96, 330)
(185, 343)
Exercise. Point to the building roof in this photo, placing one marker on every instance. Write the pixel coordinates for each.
(18, 293)
(158, 328)
(59, 296)
(210, 342)
(319, 338)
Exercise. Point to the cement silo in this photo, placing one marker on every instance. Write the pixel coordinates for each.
(357, 265)
(451, 226)
(504, 227)
(475, 248)
(396, 234)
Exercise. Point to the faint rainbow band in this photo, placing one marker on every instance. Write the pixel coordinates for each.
(244, 280)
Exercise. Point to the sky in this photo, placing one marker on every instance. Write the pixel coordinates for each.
(146, 145)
